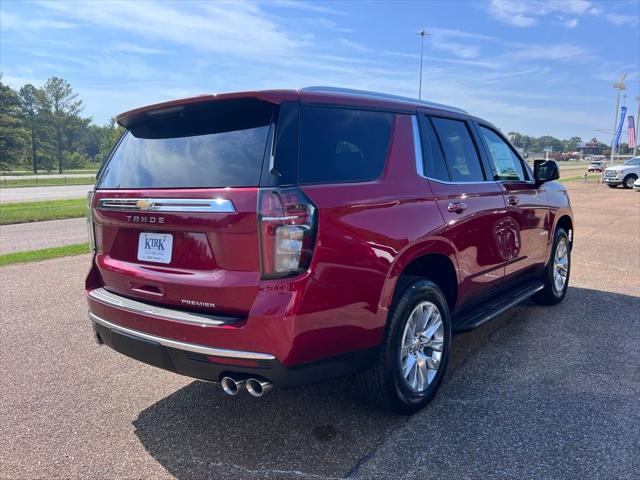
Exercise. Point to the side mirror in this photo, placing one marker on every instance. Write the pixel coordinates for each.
(545, 171)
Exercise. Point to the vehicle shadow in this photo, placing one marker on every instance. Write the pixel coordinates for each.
(329, 430)
(200, 432)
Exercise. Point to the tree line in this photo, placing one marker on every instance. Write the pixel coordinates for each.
(538, 144)
(41, 128)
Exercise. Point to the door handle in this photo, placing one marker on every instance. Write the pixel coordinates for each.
(513, 201)
(457, 207)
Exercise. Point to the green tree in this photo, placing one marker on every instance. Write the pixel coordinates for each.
(33, 105)
(111, 134)
(65, 108)
(14, 138)
(572, 144)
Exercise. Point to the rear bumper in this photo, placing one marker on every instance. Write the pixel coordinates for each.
(209, 363)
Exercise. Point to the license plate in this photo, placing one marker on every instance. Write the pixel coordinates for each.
(155, 247)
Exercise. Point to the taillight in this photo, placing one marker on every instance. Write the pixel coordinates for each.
(287, 223)
(90, 228)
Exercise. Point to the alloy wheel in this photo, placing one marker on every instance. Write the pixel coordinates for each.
(421, 347)
(560, 266)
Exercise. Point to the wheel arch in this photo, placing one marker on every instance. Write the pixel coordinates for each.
(433, 260)
(566, 222)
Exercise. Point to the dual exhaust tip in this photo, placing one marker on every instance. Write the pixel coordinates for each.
(254, 386)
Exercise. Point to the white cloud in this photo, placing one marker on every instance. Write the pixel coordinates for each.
(571, 23)
(621, 20)
(12, 21)
(555, 52)
(454, 33)
(512, 13)
(456, 42)
(230, 28)
(139, 49)
(526, 13)
(354, 45)
(331, 25)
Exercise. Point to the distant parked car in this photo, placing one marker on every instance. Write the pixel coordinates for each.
(624, 175)
(596, 166)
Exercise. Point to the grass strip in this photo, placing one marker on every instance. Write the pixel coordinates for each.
(40, 211)
(46, 182)
(43, 254)
(90, 170)
(579, 178)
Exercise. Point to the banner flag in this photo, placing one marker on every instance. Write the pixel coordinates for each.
(631, 131)
(623, 113)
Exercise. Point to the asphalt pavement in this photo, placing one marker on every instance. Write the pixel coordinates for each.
(540, 392)
(36, 235)
(37, 194)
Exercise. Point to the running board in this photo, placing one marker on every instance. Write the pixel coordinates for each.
(493, 308)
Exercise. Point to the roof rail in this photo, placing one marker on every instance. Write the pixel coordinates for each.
(365, 93)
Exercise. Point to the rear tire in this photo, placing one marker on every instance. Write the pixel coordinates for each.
(557, 272)
(411, 362)
(629, 180)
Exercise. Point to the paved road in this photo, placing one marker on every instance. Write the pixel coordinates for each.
(32, 236)
(541, 392)
(35, 194)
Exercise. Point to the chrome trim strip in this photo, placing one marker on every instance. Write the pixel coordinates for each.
(483, 182)
(210, 205)
(112, 300)
(417, 146)
(189, 347)
(279, 219)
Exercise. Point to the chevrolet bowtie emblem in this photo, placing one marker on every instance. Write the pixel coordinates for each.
(144, 204)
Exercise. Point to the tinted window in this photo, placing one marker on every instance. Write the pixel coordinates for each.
(633, 161)
(505, 162)
(218, 146)
(459, 150)
(434, 166)
(342, 145)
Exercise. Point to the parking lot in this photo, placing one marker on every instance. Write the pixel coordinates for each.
(540, 392)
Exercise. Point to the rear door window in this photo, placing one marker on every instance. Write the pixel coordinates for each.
(219, 145)
(459, 150)
(505, 162)
(432, 157)
(342, 145)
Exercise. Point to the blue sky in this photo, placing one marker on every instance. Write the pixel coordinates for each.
(539, 67)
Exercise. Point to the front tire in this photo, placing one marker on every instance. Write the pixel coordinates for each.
(629, 180)
(556, 274)
(414, 352)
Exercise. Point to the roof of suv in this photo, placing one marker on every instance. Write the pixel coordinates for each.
(310, 94)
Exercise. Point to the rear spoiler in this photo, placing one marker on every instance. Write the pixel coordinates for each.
(131, 117)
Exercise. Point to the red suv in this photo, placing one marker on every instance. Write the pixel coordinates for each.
(285, 237)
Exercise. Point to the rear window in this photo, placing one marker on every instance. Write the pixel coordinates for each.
(342, 145)
(221, 144)
(459, 150)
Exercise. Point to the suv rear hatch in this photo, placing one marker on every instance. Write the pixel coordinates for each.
(175, 207)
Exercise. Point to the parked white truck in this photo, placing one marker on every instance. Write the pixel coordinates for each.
(624, 174)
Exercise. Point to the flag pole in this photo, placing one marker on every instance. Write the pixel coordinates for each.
(635, 146)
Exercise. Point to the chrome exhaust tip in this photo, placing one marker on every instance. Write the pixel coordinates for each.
(231, 386)
(257, 388)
